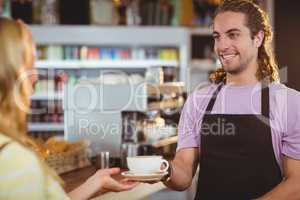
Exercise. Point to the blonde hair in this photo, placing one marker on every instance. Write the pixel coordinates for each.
(16, 56)
(257, 20)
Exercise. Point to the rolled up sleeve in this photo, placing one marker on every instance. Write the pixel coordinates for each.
(191, 118)
(291, 139)
(187, 133)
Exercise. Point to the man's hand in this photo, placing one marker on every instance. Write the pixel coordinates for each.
(184, 167)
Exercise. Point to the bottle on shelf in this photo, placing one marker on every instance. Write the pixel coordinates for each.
(54, 52)
(44, 111)
(61, 77)
(103, 12)
(45, 12)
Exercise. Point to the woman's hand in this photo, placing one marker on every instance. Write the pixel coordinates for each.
(100, 183)
(107, 183)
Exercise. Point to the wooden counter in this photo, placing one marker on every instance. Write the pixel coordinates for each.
(141, 192)
(76, 177)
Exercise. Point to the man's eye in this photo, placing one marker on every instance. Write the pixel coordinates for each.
(216, 37)
(233, 35)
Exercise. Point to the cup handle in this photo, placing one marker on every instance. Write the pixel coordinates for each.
(167, 165)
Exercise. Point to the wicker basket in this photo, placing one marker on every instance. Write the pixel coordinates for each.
(73, 159)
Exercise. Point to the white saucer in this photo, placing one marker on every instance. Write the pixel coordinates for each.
(144, 177)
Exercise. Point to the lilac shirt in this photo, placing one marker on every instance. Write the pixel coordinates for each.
(284, 114)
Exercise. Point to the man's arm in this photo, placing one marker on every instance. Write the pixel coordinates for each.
(290, 187)
(183, 166)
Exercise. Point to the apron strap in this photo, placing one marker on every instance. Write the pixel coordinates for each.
(265, 104)
(213, 99)
(265, 107)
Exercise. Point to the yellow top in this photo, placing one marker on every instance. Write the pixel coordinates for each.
(21, 176)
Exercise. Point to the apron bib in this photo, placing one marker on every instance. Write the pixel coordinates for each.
(237, 161)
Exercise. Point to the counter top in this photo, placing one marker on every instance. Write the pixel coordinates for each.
(141, 192)
(76, 177)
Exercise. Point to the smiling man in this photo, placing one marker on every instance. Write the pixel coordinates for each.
(260, 158)
(233, 43)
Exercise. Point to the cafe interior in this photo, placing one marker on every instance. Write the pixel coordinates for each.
(113, 77)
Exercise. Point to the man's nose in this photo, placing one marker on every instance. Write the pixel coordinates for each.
(222, 44)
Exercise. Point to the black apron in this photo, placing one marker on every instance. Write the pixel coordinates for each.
(237, 161)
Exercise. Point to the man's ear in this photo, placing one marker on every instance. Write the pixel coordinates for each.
(258, 39)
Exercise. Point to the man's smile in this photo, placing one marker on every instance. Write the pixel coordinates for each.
(227, 56)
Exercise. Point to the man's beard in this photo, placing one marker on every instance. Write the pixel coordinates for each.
(237, 70)
(240, 68)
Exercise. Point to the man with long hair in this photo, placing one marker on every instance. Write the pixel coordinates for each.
(242, 130)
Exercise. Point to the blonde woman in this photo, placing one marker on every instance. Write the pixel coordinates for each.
(23, 175)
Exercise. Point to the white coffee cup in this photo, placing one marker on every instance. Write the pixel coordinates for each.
(146, 164)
